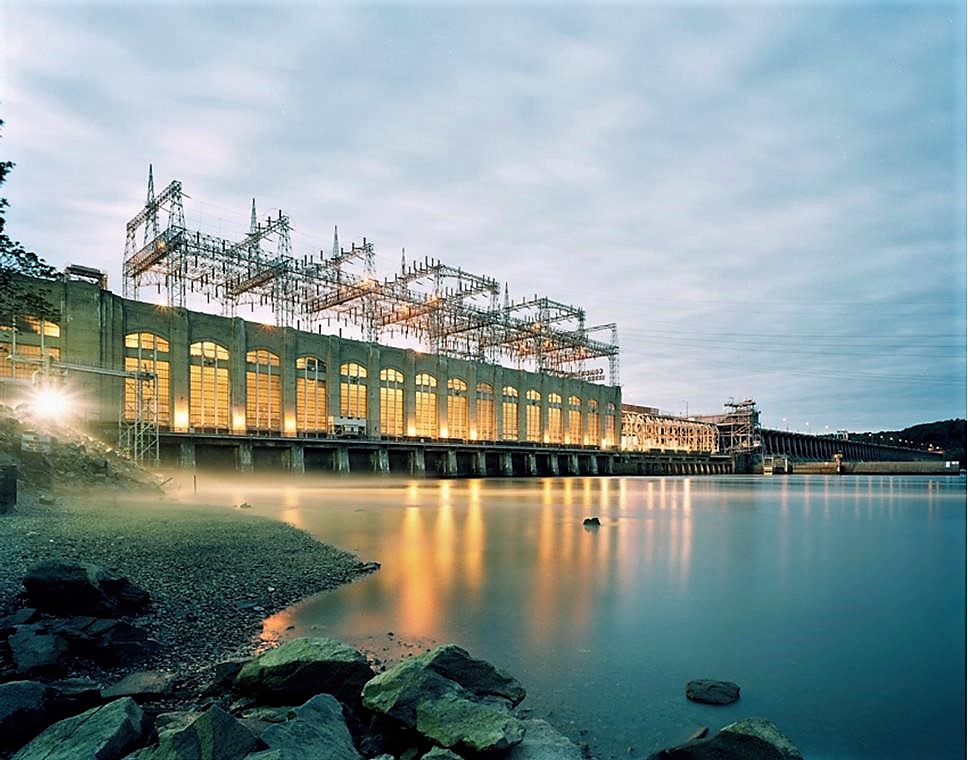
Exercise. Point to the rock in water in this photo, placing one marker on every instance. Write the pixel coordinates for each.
(747, 739)
(543, 742)
(591, 522)
(712, 692)
(451, 699)
(67, 588)
(106, 732)
(302, 668)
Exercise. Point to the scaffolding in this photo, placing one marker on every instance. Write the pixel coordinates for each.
(446, 309)
(739, 426)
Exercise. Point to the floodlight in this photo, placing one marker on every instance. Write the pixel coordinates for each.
(51, 402)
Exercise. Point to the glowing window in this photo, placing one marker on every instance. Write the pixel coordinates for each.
(148, 353)
(486, 422)
(40, 326)
(208, 386)
(554, 418)
(263, 391)
(311, 404)
(533, 415)
(509, 413)
(391, 402)
(352, 390)
(610, 425)
(594, 424)
(426, 405)
(23, 370)
(456, 408)
(574, 420)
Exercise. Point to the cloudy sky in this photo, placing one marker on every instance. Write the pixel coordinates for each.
(768, 198)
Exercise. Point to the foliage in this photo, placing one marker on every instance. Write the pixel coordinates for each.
(15, 261)
(946, 435)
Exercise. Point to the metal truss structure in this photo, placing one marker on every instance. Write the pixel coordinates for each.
(739, 426)
(646, 429)
(447, 310)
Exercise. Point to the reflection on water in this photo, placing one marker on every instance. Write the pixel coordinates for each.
(804, 590)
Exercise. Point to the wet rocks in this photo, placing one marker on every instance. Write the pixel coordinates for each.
(70, 588)
(212, 734)
(105, 732)
(23, 711)
(142, 686)
(451, 699)
(315, 729)
(301, 668)
(712, 692)
(747, 739)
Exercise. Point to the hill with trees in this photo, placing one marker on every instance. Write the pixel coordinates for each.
(945, 435)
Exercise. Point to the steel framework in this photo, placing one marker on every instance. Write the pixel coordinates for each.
(446, 309)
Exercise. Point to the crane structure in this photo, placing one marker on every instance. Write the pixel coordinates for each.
(446, 309)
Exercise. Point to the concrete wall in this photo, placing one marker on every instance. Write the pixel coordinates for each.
(94, 323)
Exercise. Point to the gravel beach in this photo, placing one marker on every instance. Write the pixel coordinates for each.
(213, 571)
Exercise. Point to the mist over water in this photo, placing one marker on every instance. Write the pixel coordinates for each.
(837, 603)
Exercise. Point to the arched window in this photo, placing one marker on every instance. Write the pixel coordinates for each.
(426, 405)
(311, 406)
(486, 423)
(352, 390)
(391, 402)
(456, 408)
(533, 415)
(147, 352)
(208, 400)
(509, 413)
(263, 392)
(554, 418)
(594, 435)
(27, 338)
(610, 425)
(573, 436)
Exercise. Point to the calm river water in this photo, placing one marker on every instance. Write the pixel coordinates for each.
(837, 603)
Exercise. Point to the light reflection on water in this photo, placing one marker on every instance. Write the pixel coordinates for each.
(821, 596)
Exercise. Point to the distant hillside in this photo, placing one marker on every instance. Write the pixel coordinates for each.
(947, 435)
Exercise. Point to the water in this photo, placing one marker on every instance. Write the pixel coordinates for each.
(837, 603)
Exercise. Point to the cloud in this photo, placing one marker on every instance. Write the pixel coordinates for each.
(768, 200)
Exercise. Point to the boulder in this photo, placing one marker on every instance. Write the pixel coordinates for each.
(543, 742)
(24, 709)
(747, 739)
(37, 652)
(712, 692)
(67, 588)
(418, 694)
(439, 753)
(23, 616)
(105, 640)
(477, 676)
(302, 668)
(106, 732)
(591, 522)
(74, 695)
(209, 735)
(316, 729)
(142, 686)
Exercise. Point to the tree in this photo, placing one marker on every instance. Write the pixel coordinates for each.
(16, 296)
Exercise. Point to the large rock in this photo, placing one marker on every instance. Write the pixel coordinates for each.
(302, 668)
(37, 652)
(316, 730)
(439, 753)
(210, 735)
(102, 733)
(477, 676)
(747, 739)
(105, 640)
(142, 686)
(428, 694)
(712, 692)
(24, 707)
(543, 742)
(67, 588)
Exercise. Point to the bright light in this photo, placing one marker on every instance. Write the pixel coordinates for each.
(51, 402)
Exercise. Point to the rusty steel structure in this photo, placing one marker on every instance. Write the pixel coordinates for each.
(647, 429)
(446, 309)
(739, 426)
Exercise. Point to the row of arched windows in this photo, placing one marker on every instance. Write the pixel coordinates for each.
(209, 405)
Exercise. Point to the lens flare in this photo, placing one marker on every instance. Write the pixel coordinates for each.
(51, 402)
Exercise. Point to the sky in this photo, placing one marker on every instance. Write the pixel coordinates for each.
(768, 198)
